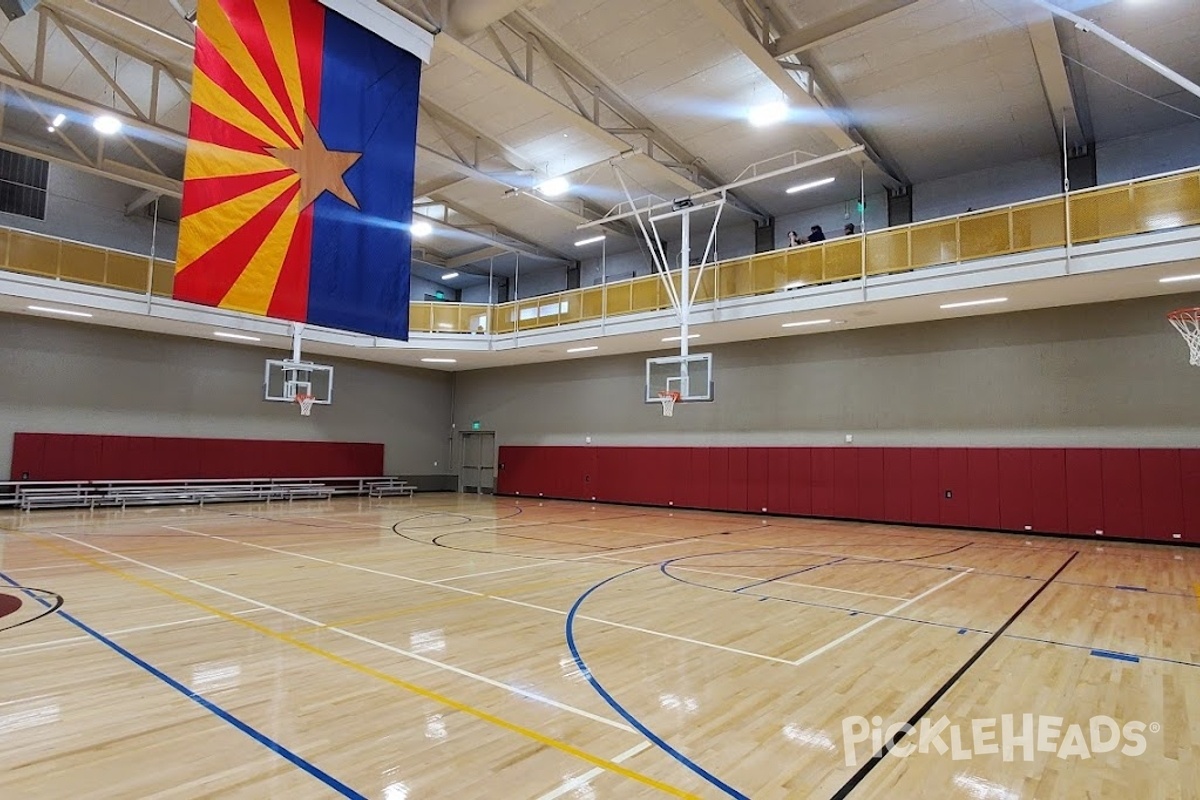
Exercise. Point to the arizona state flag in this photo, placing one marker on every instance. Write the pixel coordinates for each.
(297, 197)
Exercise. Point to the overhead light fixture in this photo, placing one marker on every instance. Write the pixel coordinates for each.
(106, 124)
(449, 276)
(59, 120)
(969, 303)
(439, 360)
(768, 114)
(63, 311)
(554, 187)
(50, 129)
(1179, 278)
(241, 337)
(680, 338)
(807, 323)
(421, 229)
(811, 185)
(583, 349)
(592, 240)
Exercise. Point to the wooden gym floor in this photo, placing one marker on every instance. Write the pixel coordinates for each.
(460, 647)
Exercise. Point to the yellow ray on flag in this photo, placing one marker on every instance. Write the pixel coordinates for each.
(199, 232)
(212, 98)
(254, 288)
(277, 19)
(221, 32)
(214, 161)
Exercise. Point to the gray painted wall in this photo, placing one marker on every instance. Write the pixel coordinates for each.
(1103, 375)
(1149, 154)
(62, 377)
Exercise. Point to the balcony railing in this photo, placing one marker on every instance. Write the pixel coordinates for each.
(1107, 212)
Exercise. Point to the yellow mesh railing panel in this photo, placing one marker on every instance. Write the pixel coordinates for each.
(592, 303)
(620, 298)
(843, 258)
(805, 265)
(1038, 226)
(420, 317)
(769, 272)
(126, 272)
(983, 235)
(83, 264)
(1101, 214)
(887, 251)
(31, 254)
(934, 243)
(645, 294)
(504, 318)
(164, 278)
(1172, 202)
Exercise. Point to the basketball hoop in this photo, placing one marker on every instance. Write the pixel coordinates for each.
(1187, 322)
(668, 400)
(305, 401)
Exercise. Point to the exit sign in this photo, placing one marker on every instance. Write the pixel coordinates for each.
(476, 425)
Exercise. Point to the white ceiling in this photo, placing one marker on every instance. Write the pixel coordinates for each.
(937, 86)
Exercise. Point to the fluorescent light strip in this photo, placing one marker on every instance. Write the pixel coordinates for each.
(991, 301)
(583, 349)
(449, 276)
(807, 322)
(592, 240)
(811, 185)
(440, 360)
(241, 337)
(680, 338)
(59, 120)
(62, 311)
(1179, 278)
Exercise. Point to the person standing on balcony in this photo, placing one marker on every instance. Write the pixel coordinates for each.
(794, 239)
(849, 231)
(816, 235)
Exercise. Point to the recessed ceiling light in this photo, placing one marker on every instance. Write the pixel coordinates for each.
(592, 240)
(806, 323)
(59, 120)
(440, 360)
(106, 124)
(968, 303)
(449, 276)
(62, 311)
(421, 229)
(583, 349)
(768, 114)
(1179, 278)
(554, 187)
(51, 129)
(679, 338)
(241, 337)
(811, 185)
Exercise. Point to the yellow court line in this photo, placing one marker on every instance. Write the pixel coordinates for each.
(428, 694)
(1197, 589)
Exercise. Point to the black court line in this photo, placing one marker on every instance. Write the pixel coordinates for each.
(865, 770)
(48, 607)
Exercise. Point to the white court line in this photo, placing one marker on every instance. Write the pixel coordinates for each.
(309, 621)
(51, 566)
(846, 637)
(785, 583)
(563, 560)
(508, 600)
(574, 783)
(74, 639)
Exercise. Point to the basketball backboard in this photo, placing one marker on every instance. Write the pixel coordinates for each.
(691, 376)
(284, 379)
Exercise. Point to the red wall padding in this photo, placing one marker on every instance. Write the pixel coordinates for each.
(84, 457)
(1125, 493)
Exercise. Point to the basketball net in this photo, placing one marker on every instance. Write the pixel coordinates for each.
(668, 400)
(305, 401)
(1187, 322)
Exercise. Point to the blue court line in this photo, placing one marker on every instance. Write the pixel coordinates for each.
(1117, 656)
(628, 717)
(1132, 588)
(270, 744)
(961, 631)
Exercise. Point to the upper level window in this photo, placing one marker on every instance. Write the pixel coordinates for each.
(23, 184)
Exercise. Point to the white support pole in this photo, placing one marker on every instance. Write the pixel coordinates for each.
(862, 227)
(685, 258)
(297, 336)
(1066, 196)
(1088, 26)
(712, 238)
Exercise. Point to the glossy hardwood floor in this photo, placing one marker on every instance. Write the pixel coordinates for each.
(462, 647)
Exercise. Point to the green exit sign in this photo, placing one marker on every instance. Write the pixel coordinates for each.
(476, 425)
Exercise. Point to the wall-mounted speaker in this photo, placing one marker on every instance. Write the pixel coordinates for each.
(17, 8)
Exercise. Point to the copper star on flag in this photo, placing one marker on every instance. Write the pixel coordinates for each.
(320, 169)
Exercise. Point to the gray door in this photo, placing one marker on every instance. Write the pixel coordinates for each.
(478, 471)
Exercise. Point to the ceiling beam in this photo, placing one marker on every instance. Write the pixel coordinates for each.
(103, 28)
(1047, 50)
(835, 28)
(458, 262)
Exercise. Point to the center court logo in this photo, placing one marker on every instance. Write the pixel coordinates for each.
(1006, 736)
